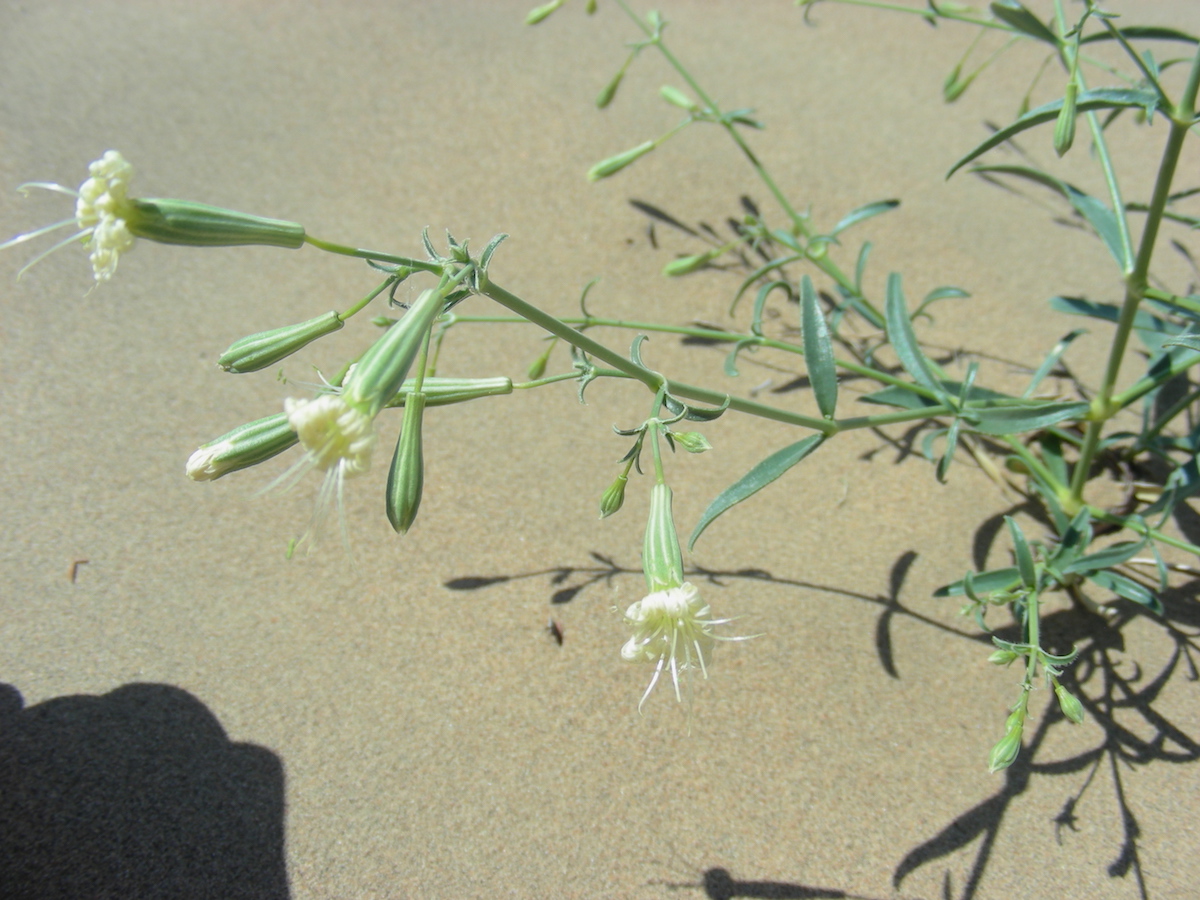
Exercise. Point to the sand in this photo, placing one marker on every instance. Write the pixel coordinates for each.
(186, 713)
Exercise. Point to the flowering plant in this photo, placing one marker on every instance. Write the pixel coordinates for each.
(1055, 450)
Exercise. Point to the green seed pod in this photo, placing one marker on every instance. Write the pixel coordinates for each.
(406, 478)
(1064, 128)
(267, 347)
(615, 164)
(662, 557)
(613, 498)
(539, 13)
(200, 225)
(1005, 751)
(1069, 704)
(378, 376)
(245, 446)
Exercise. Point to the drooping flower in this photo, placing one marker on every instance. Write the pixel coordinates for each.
(673, 629)
(338, 439)
(101, 209)
(109, 220)
(672, 625)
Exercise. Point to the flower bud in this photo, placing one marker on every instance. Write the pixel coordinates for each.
(538, 13)
(377, 377)
(1003, 657)
(691, 441)
(685, 265)
(247, 445)
(662, 557)
(406, 478)
(676, 97)
(1005, 751)
(267, 347)
(444, 391)
(605, 97)
(1064, 128)
(615, 164)
(613, 498)
(1069, 704)
(201, 225)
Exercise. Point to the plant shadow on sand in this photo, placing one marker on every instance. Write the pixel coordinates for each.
(1118, 692)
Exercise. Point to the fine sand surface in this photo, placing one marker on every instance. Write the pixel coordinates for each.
(193, 715)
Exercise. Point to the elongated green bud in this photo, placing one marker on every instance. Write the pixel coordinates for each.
(614, 497)
(685, 265)
(1069, 704)
(245, 446)
(1003, 657)
(691, 441)
(268, 347)
(444, 391)
(539, 13)
(662, 557)
(676, 97)
(1064, 128)
(615, 164)
(377, 377)
(406, 478)
(1005, 751)
(200, 225)
(605, 97)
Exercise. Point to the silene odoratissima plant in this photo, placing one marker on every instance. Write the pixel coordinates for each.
(1054, 449)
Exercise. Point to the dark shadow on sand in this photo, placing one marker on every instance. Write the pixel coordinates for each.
(135, 795)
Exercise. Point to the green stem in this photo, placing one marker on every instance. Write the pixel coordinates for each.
(1182, 118)
(1138, 526)
(799, 221)
(357, 307)
(925, 12)
(1148, 383)
(357, 253)
(708, 334)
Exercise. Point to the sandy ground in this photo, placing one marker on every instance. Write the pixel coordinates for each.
(193, 715)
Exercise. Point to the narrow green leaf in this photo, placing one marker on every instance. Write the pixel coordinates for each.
(984, 583)
(903, 339)
(1024, 555)
(756, 479)
(1127, 588)
(1097, 214)
(1106, 558)
(1051, 360)
(860, 267)
(1143, 33)
(1025, 417)
(1190, 341)
(818, 350)
(1017, 16)
(1100, 98)
(864, 212)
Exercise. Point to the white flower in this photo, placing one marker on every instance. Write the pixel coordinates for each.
(102, 206)
(672, 628)
(338, 439)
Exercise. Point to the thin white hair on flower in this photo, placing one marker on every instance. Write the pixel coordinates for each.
(673, 629)
(101, 209)
(338, 439)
